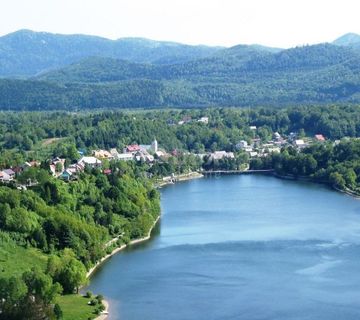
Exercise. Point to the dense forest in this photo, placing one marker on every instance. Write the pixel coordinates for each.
(20, 140)
(68, 224)
(72, 73)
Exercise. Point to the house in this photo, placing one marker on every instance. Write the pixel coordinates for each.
(125, 156)
(300, 144)
(66, 175)
(34, 163)
(76, 167)
(102, 154)
(149, 158)
(57, 166)
(204, 120)
(114, 152)
(90, 161)
(277, 136)
(107, 171)
(252, 127)
(4, 177)
(160, 154)
(132, 148)
(319, 137)
(242, 144)
(10, 173)
(52, 168)
(139, 156)
(218, 155)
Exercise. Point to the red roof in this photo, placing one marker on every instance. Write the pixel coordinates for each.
(319, 137)
(133, 148)
(107, 171)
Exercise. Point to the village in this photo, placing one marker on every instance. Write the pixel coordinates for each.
(151, 154)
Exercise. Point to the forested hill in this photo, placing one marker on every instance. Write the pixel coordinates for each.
(26, 53)
(239, 76)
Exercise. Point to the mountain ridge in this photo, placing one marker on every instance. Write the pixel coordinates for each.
(242, 75)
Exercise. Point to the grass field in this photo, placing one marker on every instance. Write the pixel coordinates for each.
(14, 260)
(75, 307)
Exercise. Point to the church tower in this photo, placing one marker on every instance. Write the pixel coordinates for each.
(154, 146)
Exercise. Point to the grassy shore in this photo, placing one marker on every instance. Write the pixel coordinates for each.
(76, 307)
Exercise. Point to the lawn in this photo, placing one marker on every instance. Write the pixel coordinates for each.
(75, 307)
(14, 260)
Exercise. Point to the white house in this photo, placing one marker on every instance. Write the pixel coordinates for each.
(90, 161)
(218, 155)
(4, 177)
(300, 144)
(204, 120)
(125, 156)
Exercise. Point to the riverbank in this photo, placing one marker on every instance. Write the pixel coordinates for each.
(179, 178)
(105, 313)
(347, 191)
(116, 250)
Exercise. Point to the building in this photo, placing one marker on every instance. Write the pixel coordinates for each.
(300, 144)
(66, 175)
(90, 161)
(242, 144)
(57, 166)
(218, 155)
(132, 148)
(277, 136)
(102, 154)
(4, 177)
(204, 120)
(154, 146)
(125, 156)
(114, 152)
(319, 137)
(107, 171)
(10, 173)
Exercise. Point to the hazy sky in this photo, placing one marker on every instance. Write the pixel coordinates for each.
(280, 23)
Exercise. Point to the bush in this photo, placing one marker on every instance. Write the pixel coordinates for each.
(88, 294)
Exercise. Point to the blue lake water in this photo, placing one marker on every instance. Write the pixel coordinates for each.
(241, 247)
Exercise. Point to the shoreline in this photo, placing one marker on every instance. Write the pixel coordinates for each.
(179, 178)
(346, 191)
(116, 250)
(104, 314)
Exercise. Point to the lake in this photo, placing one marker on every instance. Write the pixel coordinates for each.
(241, 247)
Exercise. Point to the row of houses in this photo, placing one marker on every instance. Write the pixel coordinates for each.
(133, 152)
(9, 174)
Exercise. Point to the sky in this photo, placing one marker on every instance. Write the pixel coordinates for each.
(276, 23)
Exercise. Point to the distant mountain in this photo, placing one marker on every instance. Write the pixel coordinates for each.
(240, 76)
(26, 53)
(349, 39)
(236, 64)
(160, 74)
